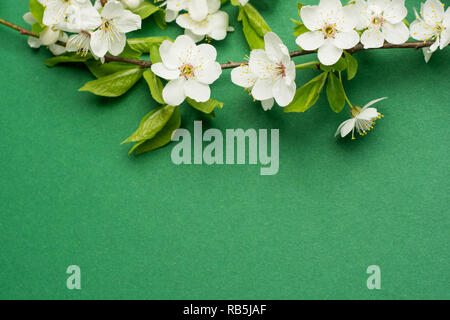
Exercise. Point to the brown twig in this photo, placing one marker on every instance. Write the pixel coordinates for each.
(231, 64)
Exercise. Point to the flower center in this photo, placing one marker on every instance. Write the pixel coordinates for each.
(187, 71)
(281, 70)
(377, 21)
(438, 29)
(329, 31)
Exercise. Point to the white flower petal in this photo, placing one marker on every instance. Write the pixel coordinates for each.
(446, 19)
(346, 40)
(117, 45)
(275, 48)
(378, 5)
(427, 53)
(173, 92)
(128, 22)
(206, 52)
(195, 37)
(99, 43)
(218, 25)
(311, 17)
(243, 77)
(331, 10)
(34, 42)
(445, 38)
(433, 12)
(310, 40)
(395, 12)
(371, 103)
(196, 90)
(346, 127)
(262, 90)
(395, 33)
(283, 93)
(421, 31)
(28, 18)
(165, 51)
(198, 9)
(184, 50)
(208, 72)
(372, 38)
(267, 104)
(260, 64)
(162, 71)
(112, 9)
(328, 53)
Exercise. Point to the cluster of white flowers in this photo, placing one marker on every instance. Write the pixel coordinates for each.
(201, 19)
(270, 74)
(94, 28)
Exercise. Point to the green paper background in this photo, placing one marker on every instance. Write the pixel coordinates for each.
(143, 228)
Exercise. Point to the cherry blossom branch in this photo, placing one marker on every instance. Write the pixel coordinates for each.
(231, 64)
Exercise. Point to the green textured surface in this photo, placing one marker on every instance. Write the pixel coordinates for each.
(144, 228)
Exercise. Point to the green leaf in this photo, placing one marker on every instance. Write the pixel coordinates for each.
(100, 70)
(254, 26)
(163, 137)
(300, 28)
(235, 3)
(130, 53)
(37, 10)
(335, 93)
(155, 85)
(65, 58)
(352, 65)
(145, 10)
(207, 107)
(341, 65)
(36, 28)
(151, 124)
(115, 84)
(160, 19)
(143, 44)
(307, 96)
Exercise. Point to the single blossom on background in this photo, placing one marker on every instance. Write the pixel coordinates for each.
(383, 20)
(214, 25)
(362, 120)
(110, 36)
(269, 75)
(331, 30)
(190, 69)
(433, 24)
(70, 16)
(48, 37)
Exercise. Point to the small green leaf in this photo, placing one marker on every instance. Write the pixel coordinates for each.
(335, 93)
(37, 10)
(151, 124)
(254, 26)
(145, 10)
(307, 96)
(100, 70)
(155, 85)
(341, 65)
(65, 58)
(143, 44)
(130, 53)
(160, 19)
(300, 28)
(352, 65)
(163, 137)
(37, 28)
(207, 107)
(115, 84)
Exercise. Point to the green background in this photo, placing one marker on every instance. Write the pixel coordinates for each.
(143, 228)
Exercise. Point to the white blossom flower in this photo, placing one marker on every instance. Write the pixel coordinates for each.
(214, 25)
(269, 75)
(80, 42)
(48, 37)
(331, 30)
(70, 15)
(110, 36)
(132, 4)
(384, 21)
(433, 25)
(189, 68)
(362, 120)
(198, 9)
